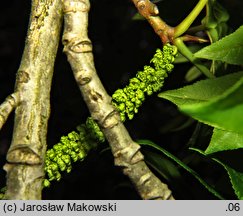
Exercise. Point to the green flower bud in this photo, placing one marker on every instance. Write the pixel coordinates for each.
(135, 80)
(72, 147)
(121, 107)
(123, 116)
(94, 130)
(69, 169)
(74, 156)
(81, 155)
(61, 164)
(46, 183)
(50, 174)
(66, 159)
(130, 116)
(58, 176)
(140, 95)
(141, 76)
(150, 80)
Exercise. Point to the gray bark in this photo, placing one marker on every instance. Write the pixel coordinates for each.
(25, 158)
(126, 152)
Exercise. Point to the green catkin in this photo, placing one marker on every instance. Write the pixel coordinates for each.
(71, 148)
(76, 145)
(150, 80)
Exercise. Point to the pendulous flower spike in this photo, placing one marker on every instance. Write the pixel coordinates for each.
(150, 80)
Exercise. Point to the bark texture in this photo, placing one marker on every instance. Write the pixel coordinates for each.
(25, 158)
(126, 152)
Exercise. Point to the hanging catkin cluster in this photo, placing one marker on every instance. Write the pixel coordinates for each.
(76, 145)
(150, 80)
(71, 148)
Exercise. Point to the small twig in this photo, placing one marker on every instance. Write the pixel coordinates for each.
(173, 34)
(195, 29)
(186, 23)
(191, 38)
(183, 49)
(126, 152)
(7, 107)
(151, 13)
(167, 33)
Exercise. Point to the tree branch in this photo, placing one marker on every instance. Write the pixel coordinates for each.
(25, 158)
(126, 152)
(183, 49)
(151, 13)
(7, 107)
(167, 33)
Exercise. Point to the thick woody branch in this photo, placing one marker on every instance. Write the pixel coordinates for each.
(7, 107)
(25, 157)
(126, 152)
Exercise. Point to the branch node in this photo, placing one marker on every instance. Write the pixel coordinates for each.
(74, 6)
(81, 47)
(11, 102)
(147, 8)
(83, 80)
(22, 154)
(141, 4)
(151, 13)
(144, 179)
(155, 10)
(95, 96)
(22, 77)
(111, 120)
(70, 42)
(128, 156)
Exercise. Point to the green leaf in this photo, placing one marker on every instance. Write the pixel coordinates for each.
(229, 49)
(217, 33)
(178, 123)
(162, 165)
(224, 140)
(236, 177)
(217, 102)
(215, 20)
(182, 59)
(216, 27)
(201, 91)
(218, 67)
(180, 163)
(192, 74)
(215, 14)
(223, 112)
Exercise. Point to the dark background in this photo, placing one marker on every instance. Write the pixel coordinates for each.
(121, 48)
